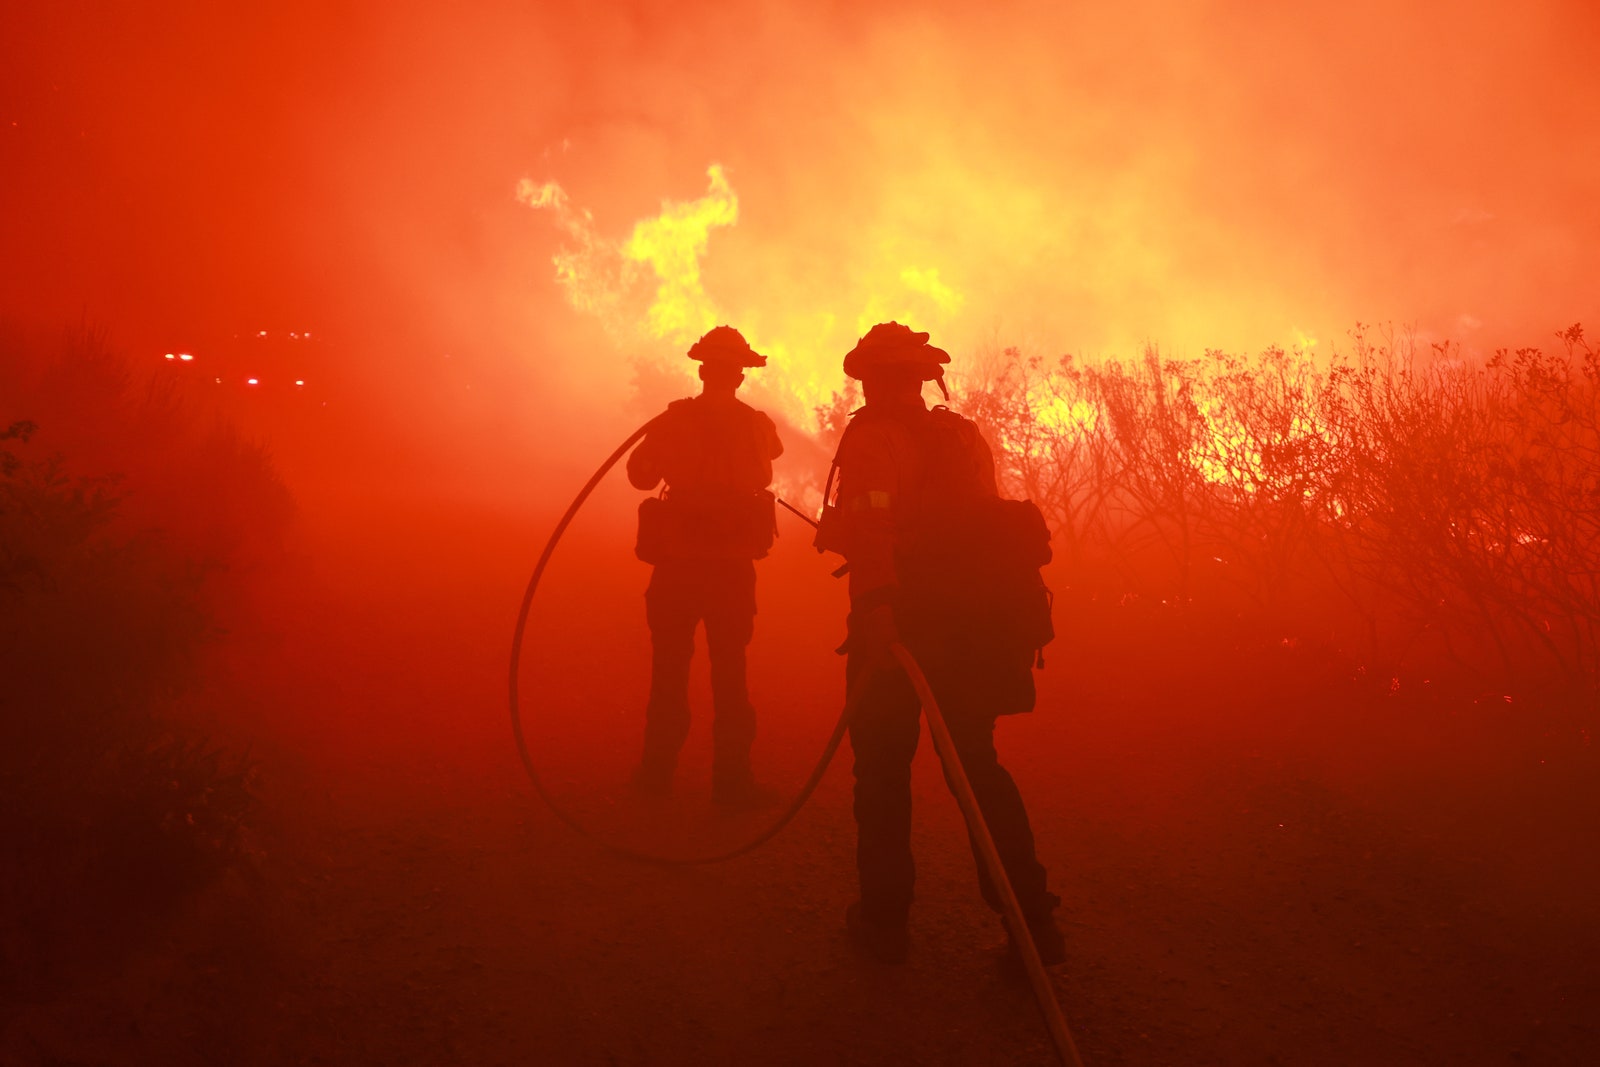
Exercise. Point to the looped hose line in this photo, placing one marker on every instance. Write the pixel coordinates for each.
(567, 817)
(1043, 991)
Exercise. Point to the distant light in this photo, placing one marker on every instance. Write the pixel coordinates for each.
(186, 357)
(171, 356)
(261, 333)
(293, 336)
(219, 381)
(252, 381)
(299, 381)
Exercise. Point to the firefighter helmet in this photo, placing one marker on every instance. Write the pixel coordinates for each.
(726, 346)
(890, 344)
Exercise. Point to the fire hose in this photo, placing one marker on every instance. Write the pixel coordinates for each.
(567, 817)
(944, 745)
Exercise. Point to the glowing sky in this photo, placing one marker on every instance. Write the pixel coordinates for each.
(1070, 178)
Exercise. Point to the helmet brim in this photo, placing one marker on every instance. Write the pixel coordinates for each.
(726, 347)
(863, 361)
(742, 360)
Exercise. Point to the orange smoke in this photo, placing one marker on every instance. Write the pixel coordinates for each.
(1064, 178)
(1071, 181)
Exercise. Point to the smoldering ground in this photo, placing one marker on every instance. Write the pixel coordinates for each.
(1267, 852)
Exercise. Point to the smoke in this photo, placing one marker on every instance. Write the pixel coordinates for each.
(1067, 178)
(1194, 175)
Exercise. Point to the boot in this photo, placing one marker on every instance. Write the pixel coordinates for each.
(1047, 937)
(884, 942)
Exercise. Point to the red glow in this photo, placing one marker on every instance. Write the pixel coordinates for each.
(1063, 178)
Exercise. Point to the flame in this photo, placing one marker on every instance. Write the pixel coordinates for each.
(597, 273)
(611, 279)
(927, 282)
(654, 285)
(673, 244)
(1229, 456)
(1068, 415)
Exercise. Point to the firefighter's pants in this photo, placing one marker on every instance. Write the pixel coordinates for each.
(682, 594)
(884, 735)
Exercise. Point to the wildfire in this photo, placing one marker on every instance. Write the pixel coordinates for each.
(651, 286)
(651, 292)
(672, 244)
(1067, 415)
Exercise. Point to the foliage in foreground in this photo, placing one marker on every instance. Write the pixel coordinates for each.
(125, 523)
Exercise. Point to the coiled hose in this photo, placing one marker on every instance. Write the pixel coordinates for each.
(567, 817)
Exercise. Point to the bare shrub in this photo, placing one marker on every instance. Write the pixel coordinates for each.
(1440, 514)
(125, 522)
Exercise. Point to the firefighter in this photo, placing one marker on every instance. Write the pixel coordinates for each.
(703, 533)
(910, 482)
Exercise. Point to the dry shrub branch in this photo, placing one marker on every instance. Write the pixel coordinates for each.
(1428, 514)
(128, 523)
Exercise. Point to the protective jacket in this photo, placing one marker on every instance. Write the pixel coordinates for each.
(918, 516)
(896, 464)
(713, 518)
(921, 521)
(715, 455)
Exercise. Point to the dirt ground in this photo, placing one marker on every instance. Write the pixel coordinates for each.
(1257, 875)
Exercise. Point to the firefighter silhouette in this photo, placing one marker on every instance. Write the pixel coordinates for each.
(941, 564)
(713, 519)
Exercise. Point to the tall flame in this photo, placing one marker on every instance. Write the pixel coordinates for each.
(651, 286)
(673, 244)
(600, 275)
(611, 278)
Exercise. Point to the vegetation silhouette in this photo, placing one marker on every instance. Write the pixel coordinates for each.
(1422, 515)
(128, 525)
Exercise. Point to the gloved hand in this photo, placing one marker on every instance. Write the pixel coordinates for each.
(872, 631)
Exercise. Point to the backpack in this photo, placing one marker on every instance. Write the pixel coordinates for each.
(972, 595)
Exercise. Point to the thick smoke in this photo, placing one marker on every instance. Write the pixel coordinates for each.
(1068, 179)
